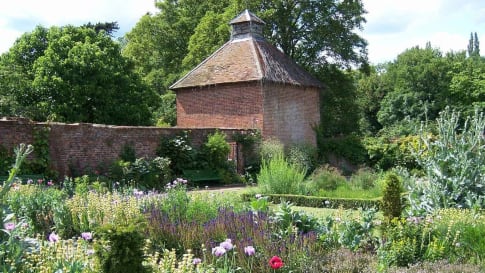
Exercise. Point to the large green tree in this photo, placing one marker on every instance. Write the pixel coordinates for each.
(159, 42)
(420, 86)
(467, 87)
(371, 89)
(73, 74)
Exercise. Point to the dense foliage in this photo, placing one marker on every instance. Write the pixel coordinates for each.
(72, 74)
(101, 231)
(453, 162)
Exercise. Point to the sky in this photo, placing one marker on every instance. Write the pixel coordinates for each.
(392, 25)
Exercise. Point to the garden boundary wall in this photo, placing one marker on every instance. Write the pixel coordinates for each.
(80, 147)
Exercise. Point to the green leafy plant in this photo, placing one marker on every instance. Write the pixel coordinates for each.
(358, 233)
(144, 173)
(120, 249)
(404, 243)
(179, 150)
(215, 150)
(289, 221)
(326, 178)
(39, 206)
(453, 164)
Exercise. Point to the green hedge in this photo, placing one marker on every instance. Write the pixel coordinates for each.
(321, 202)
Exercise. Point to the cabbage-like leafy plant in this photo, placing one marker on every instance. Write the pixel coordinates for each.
(454, 164)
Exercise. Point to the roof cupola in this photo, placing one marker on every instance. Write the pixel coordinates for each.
(247, 25)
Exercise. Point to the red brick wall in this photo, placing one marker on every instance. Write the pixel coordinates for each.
(85, 146)
(290, 112)
(221, 106)
(287, 113)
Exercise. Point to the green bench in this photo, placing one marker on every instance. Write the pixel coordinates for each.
(24, 178)
(201, 175)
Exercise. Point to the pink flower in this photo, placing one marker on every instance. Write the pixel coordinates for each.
(53, 237)
(218, 251)
(249, 250)
(87, 236)
(9, 226)
(227, 244)
(196, 261)
(50, 183)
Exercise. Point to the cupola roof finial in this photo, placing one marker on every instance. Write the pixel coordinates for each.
(246, 24)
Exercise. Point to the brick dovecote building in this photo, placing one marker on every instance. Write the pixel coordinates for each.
(250, 84)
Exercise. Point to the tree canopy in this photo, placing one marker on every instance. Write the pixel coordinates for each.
(72, 74)
(419, 84)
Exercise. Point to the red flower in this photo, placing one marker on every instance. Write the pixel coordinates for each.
(276, 262)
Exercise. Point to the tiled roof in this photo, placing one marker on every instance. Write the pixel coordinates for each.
(247, 58)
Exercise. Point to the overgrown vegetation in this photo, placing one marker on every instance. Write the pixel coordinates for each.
(226, 233)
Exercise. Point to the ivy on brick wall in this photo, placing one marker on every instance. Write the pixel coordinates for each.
(40, 162)
(6, 160)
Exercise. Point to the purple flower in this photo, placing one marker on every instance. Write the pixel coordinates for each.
(137, 193)
(227, 244)
(218, 251)
(87, 236)
(9, 226)
(53, 237)
(50, 183)
(196, 261)
(249, 250)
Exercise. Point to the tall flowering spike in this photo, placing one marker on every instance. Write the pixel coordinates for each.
(276, 263)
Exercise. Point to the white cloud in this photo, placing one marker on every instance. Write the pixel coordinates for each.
(20, 16)
(394, 26)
